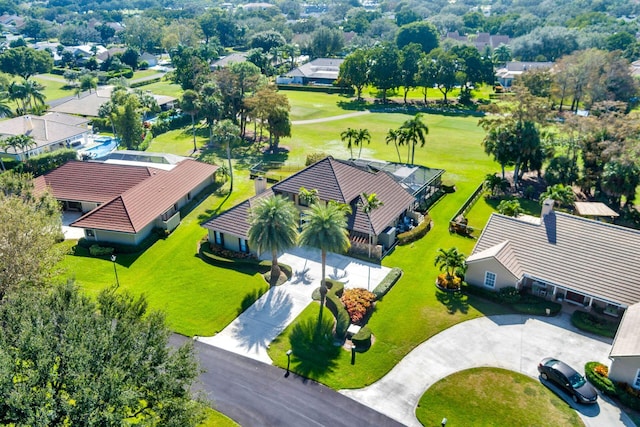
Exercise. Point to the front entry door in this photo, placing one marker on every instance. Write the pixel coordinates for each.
(572, 296)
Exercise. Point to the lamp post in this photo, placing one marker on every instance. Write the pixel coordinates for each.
(444, 422)
(353, 354)
(288, 362)
(115, 270)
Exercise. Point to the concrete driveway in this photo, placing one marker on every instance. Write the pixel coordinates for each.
(251, 333)
(513, 342)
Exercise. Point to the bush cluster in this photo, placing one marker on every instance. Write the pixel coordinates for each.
(446, 282)
(314, 157)
(97, 250)
(336, 307)
(358, 303)
(416, 233)
(527, 304)
(509, 295)
(597, 374)
(590, 323)
(43, 163)
(229, 254)
(387, 283)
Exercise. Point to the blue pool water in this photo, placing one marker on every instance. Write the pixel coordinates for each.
(106, 145)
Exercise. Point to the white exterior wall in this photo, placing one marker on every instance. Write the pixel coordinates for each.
(624, 369)
(476, 273)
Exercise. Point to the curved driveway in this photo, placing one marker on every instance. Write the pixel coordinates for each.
(513, 342)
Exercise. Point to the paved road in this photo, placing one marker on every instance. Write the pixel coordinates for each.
(513, 342)
(255, 394)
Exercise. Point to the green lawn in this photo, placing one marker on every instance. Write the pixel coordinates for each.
(217, 419)
(144, 73)
(198, 298)
(493, 397)
(164, 88)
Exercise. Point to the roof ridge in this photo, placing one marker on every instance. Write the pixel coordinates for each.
(333, 170)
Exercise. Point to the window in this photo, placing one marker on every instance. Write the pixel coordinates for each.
(243, 245)
(489, 279)
(219, 238)
(636, 382)
(189, 195)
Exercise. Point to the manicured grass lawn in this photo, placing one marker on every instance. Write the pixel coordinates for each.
(493, 397)
(198, 298)
(306, 106)
(144, 73)
(217, 419)
(179, 141)
(484, 207)
(164, 87)
(54, 90)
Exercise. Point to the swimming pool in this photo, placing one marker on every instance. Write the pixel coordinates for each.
(106, 144)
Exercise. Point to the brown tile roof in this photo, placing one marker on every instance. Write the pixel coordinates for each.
(91, 181)
(337, 181)
(143, 203)
(235, 221)
(588, 256)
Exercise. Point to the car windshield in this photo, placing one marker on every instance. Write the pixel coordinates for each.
(577, 381)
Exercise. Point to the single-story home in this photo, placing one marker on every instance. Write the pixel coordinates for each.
(334, 180)
(625, 351)
(50, 132)
(480, 40)
(320, 71)
(88, 104)
(506, 75)
(124, 200)
(561, 257)
(226, 60)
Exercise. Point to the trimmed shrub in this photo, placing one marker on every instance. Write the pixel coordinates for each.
(444, 282)
(509, 295)
(387, 283)
(362, 339)
(340, 313)
(416, 233)
(597, 374)
(97, 250)
(314, 157)
(43, 163)
(596, 325)
(358, 303)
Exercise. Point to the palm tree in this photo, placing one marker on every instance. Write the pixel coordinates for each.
(325, 228)
(190, 104)
(362, 136)
(349, 136)
(493, 182)
(510, 207)
(20, 141)
(17, 93)
(563, 195)
(395, 136)
(273, 227)
(502, 54)
(449, 261)
(211, 106)
(33, 93)
(308, 197)
(229, 134)
(415, 130)
(5, 109)
(369, 203)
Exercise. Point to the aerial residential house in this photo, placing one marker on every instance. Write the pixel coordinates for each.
(225, 61)
(50, 132)
(625, 351)
(507, 74)
(123, 199)
(342, 182)
(561, 257)
(320, 71)
(480, 40)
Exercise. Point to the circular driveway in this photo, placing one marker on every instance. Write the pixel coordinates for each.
(514, 342)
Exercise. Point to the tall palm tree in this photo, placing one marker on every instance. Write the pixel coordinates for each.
(5, 109)
(449, 261)
(273, 227)
(190, 104)
(17, 93)
(395, 135)
(21, 141)
(369, 203)
(33, 93)
(228, 133)
(211, 106)
(349, 136)
(362, 136)
(415, 131)
(325, 228)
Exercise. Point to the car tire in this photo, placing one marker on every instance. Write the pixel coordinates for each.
(575, 398)
(544, 376)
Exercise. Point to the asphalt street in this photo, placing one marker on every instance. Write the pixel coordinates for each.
(255, 394)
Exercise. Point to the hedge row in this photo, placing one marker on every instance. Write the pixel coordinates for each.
(337, 308)
(510, 296)
(626, 394)
(145, 82)
(590, 323)
(387, 283)
(43, 163)
(416, 233)
(362, 339)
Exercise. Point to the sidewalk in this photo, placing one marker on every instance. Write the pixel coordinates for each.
(251, 333)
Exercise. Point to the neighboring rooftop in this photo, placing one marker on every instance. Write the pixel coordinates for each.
(320, 68)
(44, 130)
(627, 340)
(596, 209)
(595, 257)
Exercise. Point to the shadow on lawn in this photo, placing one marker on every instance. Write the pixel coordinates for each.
(314, 352)
(453, 301)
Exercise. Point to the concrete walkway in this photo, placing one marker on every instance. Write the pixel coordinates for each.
(251, 333)
(513, 342)
(330, 119)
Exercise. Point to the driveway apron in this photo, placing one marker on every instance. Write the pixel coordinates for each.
(513, 342)
(251, 333)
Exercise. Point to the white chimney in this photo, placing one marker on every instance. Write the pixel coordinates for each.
(260, 185)
(28, 124)
(547, 208)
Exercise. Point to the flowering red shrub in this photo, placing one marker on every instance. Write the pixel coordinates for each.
(358, 303)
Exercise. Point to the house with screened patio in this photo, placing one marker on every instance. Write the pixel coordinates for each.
(561, 257)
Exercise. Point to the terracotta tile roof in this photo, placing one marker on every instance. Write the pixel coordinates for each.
(235, 221)
(588, 256)
(138, 206)
(91, 181)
